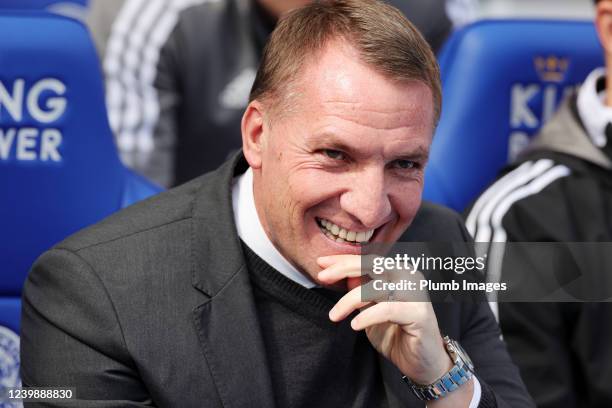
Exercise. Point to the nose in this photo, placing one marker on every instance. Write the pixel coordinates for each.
(367, 199)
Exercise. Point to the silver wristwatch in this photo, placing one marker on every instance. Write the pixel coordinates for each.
(462, 372)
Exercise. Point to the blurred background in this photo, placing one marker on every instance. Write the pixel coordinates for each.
(107, 102)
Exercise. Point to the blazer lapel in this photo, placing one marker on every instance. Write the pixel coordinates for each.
(227, 323)
(230, 336)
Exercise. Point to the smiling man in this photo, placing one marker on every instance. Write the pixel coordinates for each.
(242, 288)
(350, 163)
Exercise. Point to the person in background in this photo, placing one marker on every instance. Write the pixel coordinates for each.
(178, 74)
(560, 190)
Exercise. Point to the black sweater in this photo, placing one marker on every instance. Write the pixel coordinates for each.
(313, 362)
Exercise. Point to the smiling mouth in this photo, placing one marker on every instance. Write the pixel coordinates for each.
(339, 234)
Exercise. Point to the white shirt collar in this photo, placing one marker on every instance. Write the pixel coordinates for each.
(252, 233)
(592, 108)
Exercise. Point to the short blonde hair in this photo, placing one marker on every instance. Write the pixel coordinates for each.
(384, 38)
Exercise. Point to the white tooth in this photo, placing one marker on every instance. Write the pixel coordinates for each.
(342, 233)
(369, 234)
(360, 237)
(329, 226)
(350, 236)
(340, 240)
(324, 223)
(335, 230)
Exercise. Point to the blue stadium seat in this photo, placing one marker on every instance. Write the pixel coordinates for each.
(37, 4)
(9, 343)
(59, 168)
(501, 80)
(72, 8)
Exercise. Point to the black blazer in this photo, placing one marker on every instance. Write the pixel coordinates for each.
(153, 306)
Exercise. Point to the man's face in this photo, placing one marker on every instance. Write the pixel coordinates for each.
(346, 164)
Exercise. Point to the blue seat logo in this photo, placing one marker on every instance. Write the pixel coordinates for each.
(28, 114)
(9, 363)
(531, 105)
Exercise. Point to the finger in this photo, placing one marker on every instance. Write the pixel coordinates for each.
(342, 266)
(347, 304)
(327, 261)
(402, 313)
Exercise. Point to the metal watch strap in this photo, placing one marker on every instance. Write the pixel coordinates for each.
(458, 375)
(449, 382)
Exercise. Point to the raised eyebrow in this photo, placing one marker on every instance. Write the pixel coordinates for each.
(417, 155)
(331, 142)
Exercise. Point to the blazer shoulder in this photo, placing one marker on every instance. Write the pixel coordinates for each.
(160, 210)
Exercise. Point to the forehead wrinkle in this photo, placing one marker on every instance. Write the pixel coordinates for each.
(389, 124)
(409, 112)
(354, 106)
(346, 100)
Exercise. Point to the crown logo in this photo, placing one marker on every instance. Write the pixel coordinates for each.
(551, 68)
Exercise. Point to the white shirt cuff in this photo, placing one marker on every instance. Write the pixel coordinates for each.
(477, 393)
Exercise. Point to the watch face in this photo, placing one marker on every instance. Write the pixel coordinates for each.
(462, 354)
(457, 352)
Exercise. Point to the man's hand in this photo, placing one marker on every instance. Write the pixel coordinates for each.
(406, 333)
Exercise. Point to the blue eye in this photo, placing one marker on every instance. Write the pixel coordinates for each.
(405, 164)
(334, 154)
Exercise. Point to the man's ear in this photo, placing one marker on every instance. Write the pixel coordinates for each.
(253, 126)
(603, 23)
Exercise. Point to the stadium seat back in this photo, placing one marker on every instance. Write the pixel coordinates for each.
(76, 9)
(502, 79)
(59, 168)
(38, 4)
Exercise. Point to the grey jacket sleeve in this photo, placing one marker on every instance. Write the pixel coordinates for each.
(71, 336)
